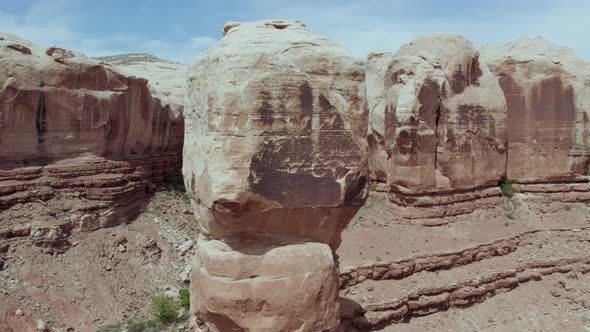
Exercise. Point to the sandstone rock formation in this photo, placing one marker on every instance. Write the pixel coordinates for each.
(275, 163)
(167, 79)
(547, 90)
(80, 141)
(437, 125)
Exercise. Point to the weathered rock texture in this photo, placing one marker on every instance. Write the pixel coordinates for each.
(446, 126)
(77, 131)
(438, 133)
(167, 79)
(547, 90)
(275, 162)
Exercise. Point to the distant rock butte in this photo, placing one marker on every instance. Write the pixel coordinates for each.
(167, 79)
(74, 129)
(280, 115)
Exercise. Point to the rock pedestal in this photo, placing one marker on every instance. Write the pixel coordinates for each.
(275, 163)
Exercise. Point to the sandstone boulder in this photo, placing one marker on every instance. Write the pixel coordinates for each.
(265, 286)
(437, 124)
(275, 150)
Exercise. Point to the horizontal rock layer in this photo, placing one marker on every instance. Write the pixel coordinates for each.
(80, 133)
(269, 285)
(426, 284)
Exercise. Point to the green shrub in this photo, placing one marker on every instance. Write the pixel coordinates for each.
(146, 326)
(373, 187)
(506, 186)
(165, 309)
(185, 299)
(185, 198)
(134, 326)
(174, 182)
(111, 328)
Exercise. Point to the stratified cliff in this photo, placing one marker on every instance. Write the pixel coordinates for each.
(275, 163)
(447, 125)
(80, 141)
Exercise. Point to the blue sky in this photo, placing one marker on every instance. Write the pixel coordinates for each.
(181, 29)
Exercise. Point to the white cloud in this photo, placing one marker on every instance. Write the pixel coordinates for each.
(372, 25)
(202, 42)
(362, 26)
(155, 44)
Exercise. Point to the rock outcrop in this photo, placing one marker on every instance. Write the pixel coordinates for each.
(547, 91)
(438, 132)
(275, 164)
(80, 141)
(167, 79)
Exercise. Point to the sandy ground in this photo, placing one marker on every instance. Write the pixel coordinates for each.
(102, 279)
(106, 276)
(515, 240)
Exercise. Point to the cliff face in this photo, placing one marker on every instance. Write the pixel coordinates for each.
(437, 123)
(446, 124)
(167, 79)
(547, 90)
(72, 128)
(275, 161)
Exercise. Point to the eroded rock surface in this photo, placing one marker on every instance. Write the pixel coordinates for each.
(547, 90)
(275, 162)
(167, 79)
(80, 141)
(437, 124)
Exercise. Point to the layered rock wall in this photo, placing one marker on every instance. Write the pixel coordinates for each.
(447, 125)
(275, 162)
(437, 125)
(79, 132)
(547, 90)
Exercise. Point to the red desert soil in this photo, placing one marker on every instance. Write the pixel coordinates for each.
(519, 267)
(106, 276)
(522, 266)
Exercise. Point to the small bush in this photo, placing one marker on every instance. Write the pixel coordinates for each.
(506, 186)
(146, 326)
(185, 300)
(185, 198)
(174, 182)
(373, 187)
(165, 309)
(134, 326)
(568, 208)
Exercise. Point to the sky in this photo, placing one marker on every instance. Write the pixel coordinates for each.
(179, 30)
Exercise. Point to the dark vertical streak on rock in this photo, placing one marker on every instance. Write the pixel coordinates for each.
(41, 120)
(436, 138)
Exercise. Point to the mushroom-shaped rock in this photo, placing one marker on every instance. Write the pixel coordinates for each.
(276, 166)
(437, 125)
